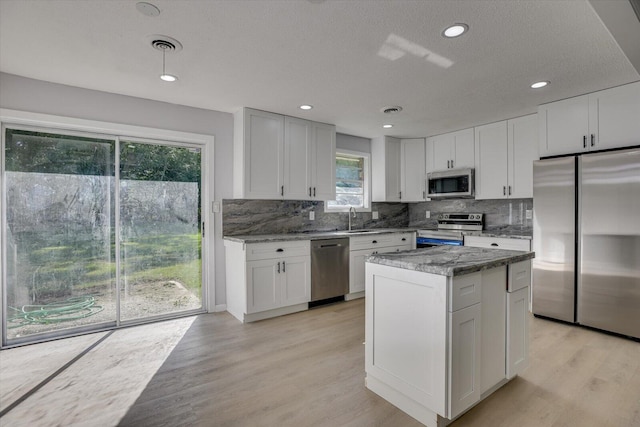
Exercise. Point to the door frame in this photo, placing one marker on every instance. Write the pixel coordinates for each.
(117, 130)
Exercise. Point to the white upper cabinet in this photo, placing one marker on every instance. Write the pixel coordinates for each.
(597, 121)
(385, 169)
(297, 157)
(412, 170)
(323, 161)
(279, 157)
(523, 151)
(505, 152)
(258, 154)
(452, 150)
(614, 117)
(491, 161)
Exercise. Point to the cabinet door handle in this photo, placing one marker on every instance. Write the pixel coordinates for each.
(504, 190)
(284, 270)
(374, 241)
(509, 190)
(401, 195)
(309, 191)
(593, 139)
(404, 239)
(282, 190)
(584, 141)
(424, 195)
(448, 162)
(278, 267)
(314, 191)
(451, 164)
(494, 244)
(279, 250)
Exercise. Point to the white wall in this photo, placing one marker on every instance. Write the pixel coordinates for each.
(353, 143)
(36, 96)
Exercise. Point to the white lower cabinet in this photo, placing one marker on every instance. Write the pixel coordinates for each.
(363, 246)
(464, 359)
(437, 345)
(267, 279)
(518, 318)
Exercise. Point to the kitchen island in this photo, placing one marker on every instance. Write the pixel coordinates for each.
(445, 327)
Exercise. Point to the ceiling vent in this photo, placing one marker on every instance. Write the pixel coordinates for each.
(391, 110)
(164, 43)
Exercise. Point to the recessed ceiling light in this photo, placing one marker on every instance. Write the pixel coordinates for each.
(306, 107)
(168, 77)
(455, 30)
(147, 9)
(538, 85)
(387, 126)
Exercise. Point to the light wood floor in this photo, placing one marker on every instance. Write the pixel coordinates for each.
(307, 369)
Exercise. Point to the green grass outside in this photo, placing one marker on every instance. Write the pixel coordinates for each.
(78, 264)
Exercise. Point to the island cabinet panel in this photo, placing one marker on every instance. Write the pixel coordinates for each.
(493, 327)
(464, 359)
(437, 344)
(517, 331)
(407, 340)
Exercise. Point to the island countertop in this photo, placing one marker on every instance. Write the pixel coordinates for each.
(450, 260)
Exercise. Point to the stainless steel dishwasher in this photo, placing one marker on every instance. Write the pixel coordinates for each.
(329, 268)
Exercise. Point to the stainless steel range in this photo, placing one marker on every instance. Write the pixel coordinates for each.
(450, 228)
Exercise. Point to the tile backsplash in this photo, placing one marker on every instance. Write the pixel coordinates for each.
(250, 217)
(507, 215)
(247, 217)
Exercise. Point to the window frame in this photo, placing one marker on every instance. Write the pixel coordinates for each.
(366, 182)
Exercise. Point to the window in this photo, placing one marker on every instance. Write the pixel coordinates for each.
(352, 182)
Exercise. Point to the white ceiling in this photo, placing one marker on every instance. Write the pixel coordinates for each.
(347, 58)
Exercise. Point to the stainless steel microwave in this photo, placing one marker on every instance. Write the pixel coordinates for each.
(454, 183)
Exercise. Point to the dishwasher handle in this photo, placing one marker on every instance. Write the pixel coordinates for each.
(332, 245)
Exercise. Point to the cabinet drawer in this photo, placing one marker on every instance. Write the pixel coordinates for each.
(370, 241)
(381, 240)
(402, 239)
(498, 243)
(257, 251)
(465, 291)
(519, 275)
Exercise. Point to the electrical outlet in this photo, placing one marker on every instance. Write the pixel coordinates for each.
(374, 215)
(215, 207)
(529, 214)
(312, 216)
(428, 214)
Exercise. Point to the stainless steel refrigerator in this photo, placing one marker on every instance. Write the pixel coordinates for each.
(586, 235)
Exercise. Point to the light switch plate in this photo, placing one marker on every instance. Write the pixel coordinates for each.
(529, 214)
(374, 215)
(428, 214)
(215, 207)
(312, 216)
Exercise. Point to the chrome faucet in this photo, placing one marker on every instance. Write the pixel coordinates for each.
(351, 209)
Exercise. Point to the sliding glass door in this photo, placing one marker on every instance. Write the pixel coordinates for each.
(97, 231)
(160, 244)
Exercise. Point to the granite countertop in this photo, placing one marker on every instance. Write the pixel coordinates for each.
(264, 238)
(450, 260)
